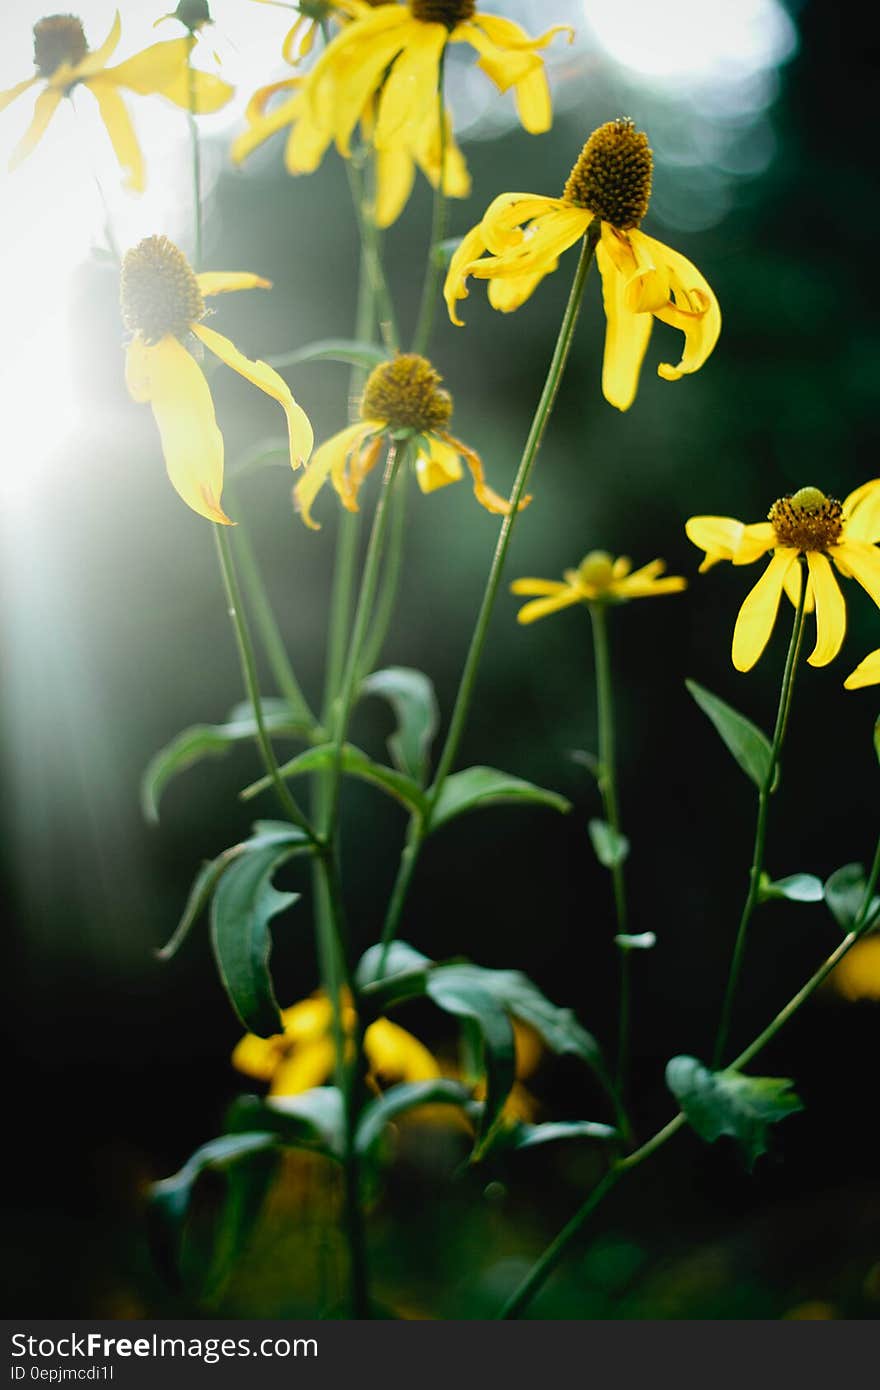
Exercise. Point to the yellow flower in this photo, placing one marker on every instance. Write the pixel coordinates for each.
(419, 148)
(403, 401)
(867, 673)
(810, 525)
(599, 578)
(163, 305)
(642, 280)
(304, 1056)
(311, 16)
(858, 974)
(63, 62)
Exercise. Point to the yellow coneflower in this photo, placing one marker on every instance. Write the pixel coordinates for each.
(163, 307)
(810, 525)
(403, 401)
(599, 578)
(642, 280)
(64, 62)
(866, 673)
(304, 1055)
(311, 17)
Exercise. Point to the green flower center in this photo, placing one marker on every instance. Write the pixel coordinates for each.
(159, 291)
(808, 520)
(597, 569)
(612, 177)
(448, 12)
(58, 39)
(407, 393)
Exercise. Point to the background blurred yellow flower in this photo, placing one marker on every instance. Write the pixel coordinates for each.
(867, 673)
(599, 578)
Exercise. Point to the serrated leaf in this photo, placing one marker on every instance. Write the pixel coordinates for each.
(609, 845)
(210, 741)
(643, 941)
(845, 895)
(243, 907)
(477, 787)
(411, 696)
(797, 888)
(750, 747)
(379, 1113)
(355, 764)
(525, 1136)
(458, 995)
(350, 350)
(726, 1102)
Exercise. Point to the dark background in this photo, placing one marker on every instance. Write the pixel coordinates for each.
(118, 1067)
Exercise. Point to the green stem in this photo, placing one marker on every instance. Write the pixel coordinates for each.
(387, 600)
(419, 828)
(249, 671)
(608, 788)
(765, 791)
(431, 286)
(196, 169)
(372, 254)
(550, 1259)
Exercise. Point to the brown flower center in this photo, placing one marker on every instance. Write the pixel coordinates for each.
(808, 520)
(58, 39)
(448, 12)
(407, 393)
(194, 14)
(612, 177)
(159, 290)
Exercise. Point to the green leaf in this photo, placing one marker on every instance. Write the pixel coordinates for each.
(211, 741)
(746, 742)
(459, 995)
(523, 1136)
(724, 1102)
(312, 1120)
(355, 353)
(443, 251)
(644, 941)
(411, 696)
(275, 451)
(244, 905)
(798, 888)
(845, 894)
(401, 962)
(380, 1112)
(486, 786)
(610, 846)
(356, 764)
(588, 761)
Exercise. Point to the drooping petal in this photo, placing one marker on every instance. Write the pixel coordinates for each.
(646, 276)
(455, 285)
(261, 128)
(410, 92)
(438, 467)
(545, 241)
(719, 536)
(163, 70)
(304, 1067)
(508, 294)
(395, 176)
(395, 1055)
(506, 33)
(626, 336)
(289, 50)
(541, 607)
(866, 673)
(695, 311)
(792, 586)
(258, 1057)
(510, 58)
(754, 542)
(118, 125)
(265, 378)
(227, 281)
(830, 610)
(329, 462)
(169, 378)
(505, 217)
(428, 154)
(351, 69)
(758, 614)
(861, 561)
(12, 92)
(98, 59)
(44, 109)
(485, 495)
(861, 512)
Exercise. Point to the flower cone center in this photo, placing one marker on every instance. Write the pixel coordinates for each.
(596, 569)
(612, 177)
(58, 39)
(448, 12)
(808, 520)
(160, 292)
(407, 393)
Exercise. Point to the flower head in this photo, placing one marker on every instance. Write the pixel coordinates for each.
(866, 673)
(807, 528)
(63, 62)
(163, 308)
(403, 401)
(599, 578)
(304, 1055)
(606, 194)
(381, 72)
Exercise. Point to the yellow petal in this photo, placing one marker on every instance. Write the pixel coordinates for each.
(867, 673)
(342, 81)
(438, 467)
(289, 50)
(329, 461)
(626, 335)
(509, 294)
(117, 123)
(485, 495)
(395, 1055)
(455, 285)
(861, 561)
(758, 613)
(258, 1057)
(98, 59)
(695, 311)
(163, 70)
(44, 109)
(426, 150)
(754, 542)
(308, 1019)
(792, 586)
(395, 175)
(505, 217)
(533, 103)
(304, 1067)
(504, 65)
(830, 610)
(647, 582)
(719, 536)
(858, 974)
(861, 511)
(262, 126)
(546, 238)
(12, 92)
(171, 380)
(538, 587)
(227, 281)
(541, 607)
(506, 33)
(306, 146)
(410, 92)
(261, 375)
